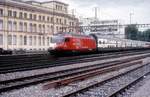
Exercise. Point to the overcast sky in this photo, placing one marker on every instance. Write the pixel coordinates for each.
(112, 9)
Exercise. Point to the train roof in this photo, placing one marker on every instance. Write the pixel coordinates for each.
(71, 34)
(113, 38)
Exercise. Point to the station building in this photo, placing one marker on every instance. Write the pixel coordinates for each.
(29, 25)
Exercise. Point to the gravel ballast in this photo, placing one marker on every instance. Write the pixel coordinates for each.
(37, 91)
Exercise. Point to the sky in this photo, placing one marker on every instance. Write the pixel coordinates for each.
(112, 9)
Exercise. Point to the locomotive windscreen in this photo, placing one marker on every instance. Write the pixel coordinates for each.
(57, 39)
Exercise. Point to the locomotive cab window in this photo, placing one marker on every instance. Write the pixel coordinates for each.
(67, 39)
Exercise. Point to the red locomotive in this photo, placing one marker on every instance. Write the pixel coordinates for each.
(69, 43)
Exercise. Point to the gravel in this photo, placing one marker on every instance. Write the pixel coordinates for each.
(108, 88)
(140, 89)
(38, 91)
(15, 75)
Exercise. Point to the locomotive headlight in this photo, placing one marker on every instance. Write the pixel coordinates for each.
(53, 46)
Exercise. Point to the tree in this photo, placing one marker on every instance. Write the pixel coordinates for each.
(131, 32)
(147, 35)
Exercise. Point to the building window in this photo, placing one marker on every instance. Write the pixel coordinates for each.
(25, 15)
(1, 39)
(65, 22)
(48, 19)
(56, 28)
(57, 20)
(20, 15)
(40, 28)
(39, 40)
(14, 14)
(52, 19)
(60, 21)
(21, 40)
(30, 40)
(14, 39)
(1, 24)
(9, 13)
(48, 42)
(25, 27)
(43, 28)
(43, 41)
(30, 27)
(14, 26)
(34, 28)
(21, 26)
(48, 28)
(52, 29)
(25, 40)
(9, 39)
(1, 12)
(31, 16)
(35, 17)
(43, 18)
(39, 17)
(34, 40)
(9, 25)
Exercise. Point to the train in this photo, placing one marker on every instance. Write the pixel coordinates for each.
(80, 43)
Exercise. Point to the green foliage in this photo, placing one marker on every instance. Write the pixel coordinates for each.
(131, 32)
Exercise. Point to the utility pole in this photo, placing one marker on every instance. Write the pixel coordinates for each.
(131, 18)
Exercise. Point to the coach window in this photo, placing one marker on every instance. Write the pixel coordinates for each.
(9, 39)
(1, 24)
(1, 39)
(14, 39)
(99, 42)
(25, 40)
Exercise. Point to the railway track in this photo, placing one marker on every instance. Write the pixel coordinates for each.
(8, 85)
(44, 62)
(113, 86)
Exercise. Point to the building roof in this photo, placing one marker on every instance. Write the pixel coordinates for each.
(55, 2)
(30, 6)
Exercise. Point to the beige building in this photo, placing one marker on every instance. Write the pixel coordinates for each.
(30, 25)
